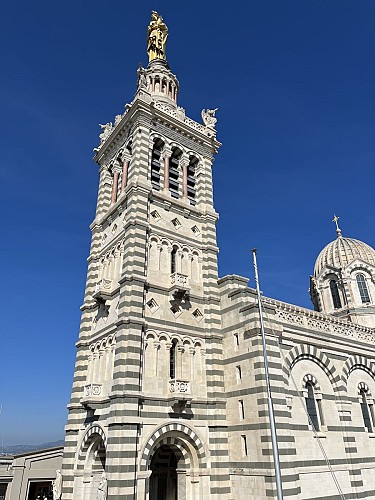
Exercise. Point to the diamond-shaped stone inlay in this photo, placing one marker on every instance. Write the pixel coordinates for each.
(155, 215)
(177, 224)
(152, 305)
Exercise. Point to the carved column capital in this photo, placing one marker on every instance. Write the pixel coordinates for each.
(184, 160)
(125, 155)
(167, 152)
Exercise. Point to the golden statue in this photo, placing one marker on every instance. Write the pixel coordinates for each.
(157, 35)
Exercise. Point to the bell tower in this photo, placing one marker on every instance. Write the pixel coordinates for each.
(147, 413)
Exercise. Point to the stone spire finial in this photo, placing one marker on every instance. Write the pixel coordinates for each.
(336, 221)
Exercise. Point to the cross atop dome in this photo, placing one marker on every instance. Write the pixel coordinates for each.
(336, 221)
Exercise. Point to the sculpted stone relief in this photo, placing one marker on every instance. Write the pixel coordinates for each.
(208, 117)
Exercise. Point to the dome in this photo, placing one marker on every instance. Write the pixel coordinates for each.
(343, 251)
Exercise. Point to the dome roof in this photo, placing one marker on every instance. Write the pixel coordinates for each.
(343, 251)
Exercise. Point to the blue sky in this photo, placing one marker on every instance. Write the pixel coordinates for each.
(294, 84)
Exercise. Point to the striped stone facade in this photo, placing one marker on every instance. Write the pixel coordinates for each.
(336, 459)
(169, 397)
(149, 381)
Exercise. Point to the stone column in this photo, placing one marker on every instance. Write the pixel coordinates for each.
(181, 484)
(108, 359)
(156, 357)
(90, 367)
(178, 261)
(102, 366)
(167, 153)
(180, 355)
(96, 367)
(125, 169)
(184, 162)
(143, 479)
(116, 173)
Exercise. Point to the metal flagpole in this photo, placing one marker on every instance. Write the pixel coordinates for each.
(275, 449)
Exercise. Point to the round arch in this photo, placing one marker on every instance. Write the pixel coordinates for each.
(355, 363)
(93, 433)
(179, 437)
(304, 351)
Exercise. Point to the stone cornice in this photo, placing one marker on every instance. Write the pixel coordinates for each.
(186, 124)
(143, 111)
(306, 318)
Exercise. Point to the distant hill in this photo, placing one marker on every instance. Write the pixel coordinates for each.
(24, 448)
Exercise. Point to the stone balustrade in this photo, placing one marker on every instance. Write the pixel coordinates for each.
(179, 279)
(179, 386)
(299, 316)
(104, 285)
(93, 390)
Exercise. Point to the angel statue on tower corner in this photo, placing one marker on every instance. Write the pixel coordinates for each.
(208, 117)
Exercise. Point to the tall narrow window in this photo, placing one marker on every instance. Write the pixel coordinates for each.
(238, 374)
(335, 294)
(191, 180)
(241, 409)
(244, 445)
(236, 340)
(362, 287)
(173, 259)
(311, 406)
(365, 410)
(172, 360)
(174, 166)
(155, 164)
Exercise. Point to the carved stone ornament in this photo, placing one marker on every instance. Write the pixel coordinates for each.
(102, 488)
(106, 130)
(93, 390)
(142, 78)
(57, 486)
(179, 386)
(208, 117)
(117, 119)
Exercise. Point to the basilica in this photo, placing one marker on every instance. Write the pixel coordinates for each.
(169, 400)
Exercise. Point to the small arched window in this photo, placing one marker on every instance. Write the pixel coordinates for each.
(173, 259)
(335, 294)
(362, 287)
(311, 406)
(172, 360)
(367, 410)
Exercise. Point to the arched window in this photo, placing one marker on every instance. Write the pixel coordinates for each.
(173, 259)
(174, 163)
(312, 406)
(172, 360)
(335, 294)
(193, 163)
(367, 410)
(362, 287)
(155, 164)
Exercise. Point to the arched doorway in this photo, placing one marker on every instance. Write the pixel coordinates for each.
(173, 465)
(163, 480)
(91, 465)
